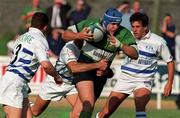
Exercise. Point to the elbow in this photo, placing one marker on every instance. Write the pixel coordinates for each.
(136, 55)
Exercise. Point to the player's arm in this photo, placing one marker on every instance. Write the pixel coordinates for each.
(129, 50)
(166, 56)
(168, 86)
(73, 34)
(76, 67)
(108, 73)
(41, 53)
(50, 70)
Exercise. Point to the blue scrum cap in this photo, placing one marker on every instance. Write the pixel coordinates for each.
(111, 15)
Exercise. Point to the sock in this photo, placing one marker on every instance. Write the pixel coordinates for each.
(85, 114)
(96, 115)
(140, 114)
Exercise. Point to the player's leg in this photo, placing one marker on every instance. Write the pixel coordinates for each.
(113, 101)
(12, 112)
(141, 97)
(72, 99)
(39, 106)
(26, 111)
(122, 89)
(77, 108)
(86, 94)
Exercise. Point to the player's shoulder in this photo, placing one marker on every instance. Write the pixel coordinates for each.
(157, 39)
(123, 31)
(69, 46)
(90, 21)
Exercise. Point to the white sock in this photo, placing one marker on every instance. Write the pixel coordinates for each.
(96, 116)
(140, 114)
(31, 103)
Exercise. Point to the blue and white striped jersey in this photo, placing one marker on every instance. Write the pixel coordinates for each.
(70, 52)
(151, 47)
(29, 50)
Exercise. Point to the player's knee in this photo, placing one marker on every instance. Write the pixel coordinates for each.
(88, 106)
(35, 113)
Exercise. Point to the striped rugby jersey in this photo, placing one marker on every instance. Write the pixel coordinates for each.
(69, 52)
(151, 48)
(29, 50)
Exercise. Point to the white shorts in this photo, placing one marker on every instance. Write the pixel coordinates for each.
(126, 84)
(52, 91)
(13, 90)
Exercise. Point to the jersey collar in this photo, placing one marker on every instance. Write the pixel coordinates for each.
(147, 36)
(35, 30)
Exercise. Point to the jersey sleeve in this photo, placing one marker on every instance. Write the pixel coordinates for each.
(164, 53)
(77, 27)
(68, 53)
(126, 37)
(41, 51)
(81, 25)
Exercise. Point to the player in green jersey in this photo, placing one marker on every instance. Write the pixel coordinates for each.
(90, 84)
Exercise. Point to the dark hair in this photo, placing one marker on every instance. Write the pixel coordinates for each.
(168, 14)
(141, 17)
(39, 20)
(126, 2)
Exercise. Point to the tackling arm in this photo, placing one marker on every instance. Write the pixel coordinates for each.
(49, 69)
(76, 67)
(130, 51)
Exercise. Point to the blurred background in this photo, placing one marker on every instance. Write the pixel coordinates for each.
(12, 10)
(15, 16)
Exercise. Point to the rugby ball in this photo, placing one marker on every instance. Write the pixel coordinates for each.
(97, 31)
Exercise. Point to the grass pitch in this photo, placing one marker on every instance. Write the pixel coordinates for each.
(62, 112)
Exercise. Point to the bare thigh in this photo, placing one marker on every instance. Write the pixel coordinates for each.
(39, 106)
(13, 112)
(72, 99)
(86, 94)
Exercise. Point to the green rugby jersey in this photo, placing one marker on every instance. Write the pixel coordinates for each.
(95, 51)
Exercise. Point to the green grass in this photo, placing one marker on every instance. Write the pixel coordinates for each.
(62, 112)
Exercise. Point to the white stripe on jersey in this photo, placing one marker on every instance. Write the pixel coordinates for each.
(151, 47)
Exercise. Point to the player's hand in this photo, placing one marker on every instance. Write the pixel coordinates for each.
(108, 73)
(85, 34)
(101, 72)
(58, 80)
(103, 64)
(167, 89)
(114, 41)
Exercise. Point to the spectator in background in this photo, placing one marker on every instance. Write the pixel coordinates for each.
(125, 9)
(29, 11)
(58, 21)
(55, 43)
(81, 12)
(136, 7)
(10, 44)
(169, 32)
(57, 14)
